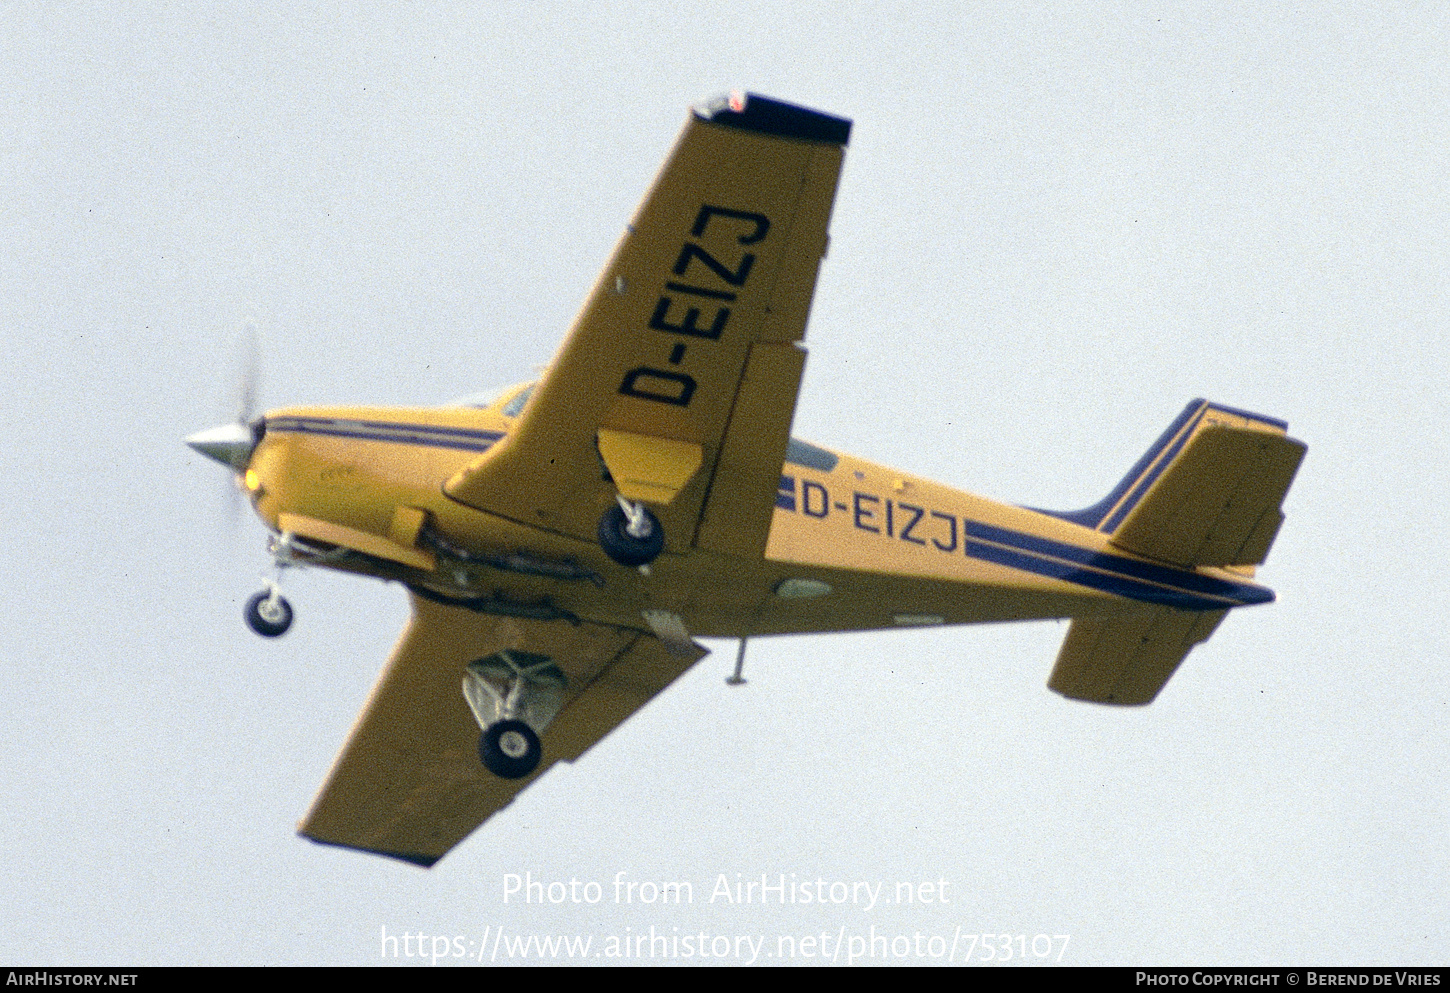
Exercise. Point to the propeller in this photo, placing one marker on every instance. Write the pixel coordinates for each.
(232, 444)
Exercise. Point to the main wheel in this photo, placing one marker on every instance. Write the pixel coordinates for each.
(510, 749)
(268, 617)
(625, 548)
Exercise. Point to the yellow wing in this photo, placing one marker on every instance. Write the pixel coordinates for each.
(409, 782)
(677, 384)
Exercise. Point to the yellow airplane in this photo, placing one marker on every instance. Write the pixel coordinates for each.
(563, 545)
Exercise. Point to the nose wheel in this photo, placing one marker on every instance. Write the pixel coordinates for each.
(630, 534)
(268, 613)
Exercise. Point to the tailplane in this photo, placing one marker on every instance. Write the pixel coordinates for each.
(1127, 660)
(1207, 493)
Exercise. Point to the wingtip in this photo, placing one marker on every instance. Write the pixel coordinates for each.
(412, 858)
(752, 112)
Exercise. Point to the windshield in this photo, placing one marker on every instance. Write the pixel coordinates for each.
(515, 406)
(510, 399)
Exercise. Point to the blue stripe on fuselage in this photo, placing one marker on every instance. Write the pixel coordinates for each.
(464, 439)
(1114, 574)
(1110, 523)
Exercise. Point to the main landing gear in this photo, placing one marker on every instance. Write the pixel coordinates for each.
(513, 695)
(510, 749)
(630, 534)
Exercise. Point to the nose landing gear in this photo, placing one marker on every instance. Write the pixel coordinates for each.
(268, 613)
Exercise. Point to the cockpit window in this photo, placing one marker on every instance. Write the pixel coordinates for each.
(508, 400)
(516, 406)
(480, 400)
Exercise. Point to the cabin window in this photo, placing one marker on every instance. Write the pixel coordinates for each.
(803, 453)
(515, 406)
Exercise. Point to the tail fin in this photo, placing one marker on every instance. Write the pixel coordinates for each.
(1207, 493)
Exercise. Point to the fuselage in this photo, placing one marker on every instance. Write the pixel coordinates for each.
(852, 545)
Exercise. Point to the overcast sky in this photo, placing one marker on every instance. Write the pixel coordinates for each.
(1056, 225)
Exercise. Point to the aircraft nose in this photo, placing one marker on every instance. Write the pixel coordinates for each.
(230, 444)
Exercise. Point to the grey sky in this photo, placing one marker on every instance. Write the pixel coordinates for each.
(1056, 225)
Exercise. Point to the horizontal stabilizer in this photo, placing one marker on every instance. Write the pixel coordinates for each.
(1217, 503)
(1126, 660)
(1206, 493)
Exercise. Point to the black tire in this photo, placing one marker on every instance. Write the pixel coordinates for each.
(510, 749)
(276, 622)
(623, 547)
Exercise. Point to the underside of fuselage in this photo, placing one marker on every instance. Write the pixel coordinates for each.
(852, 545)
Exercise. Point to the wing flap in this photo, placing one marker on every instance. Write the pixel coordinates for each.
(643, 670)
(738, 508)
(408, 783)
(1126, 660)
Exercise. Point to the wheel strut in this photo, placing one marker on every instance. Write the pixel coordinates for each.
(268, 613)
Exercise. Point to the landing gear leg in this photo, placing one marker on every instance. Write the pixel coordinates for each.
(514, 695)
(268, 613)
(630, 534)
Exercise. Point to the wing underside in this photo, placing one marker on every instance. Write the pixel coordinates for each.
(409, 782)
(675, 387)
(677, 383)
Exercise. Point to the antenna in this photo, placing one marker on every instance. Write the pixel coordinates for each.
(738, 679)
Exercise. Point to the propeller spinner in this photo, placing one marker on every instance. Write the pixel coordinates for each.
(230, 444)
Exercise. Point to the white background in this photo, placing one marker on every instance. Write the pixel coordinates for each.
(1056, 225)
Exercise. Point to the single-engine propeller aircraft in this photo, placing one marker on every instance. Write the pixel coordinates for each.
(563, 545)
